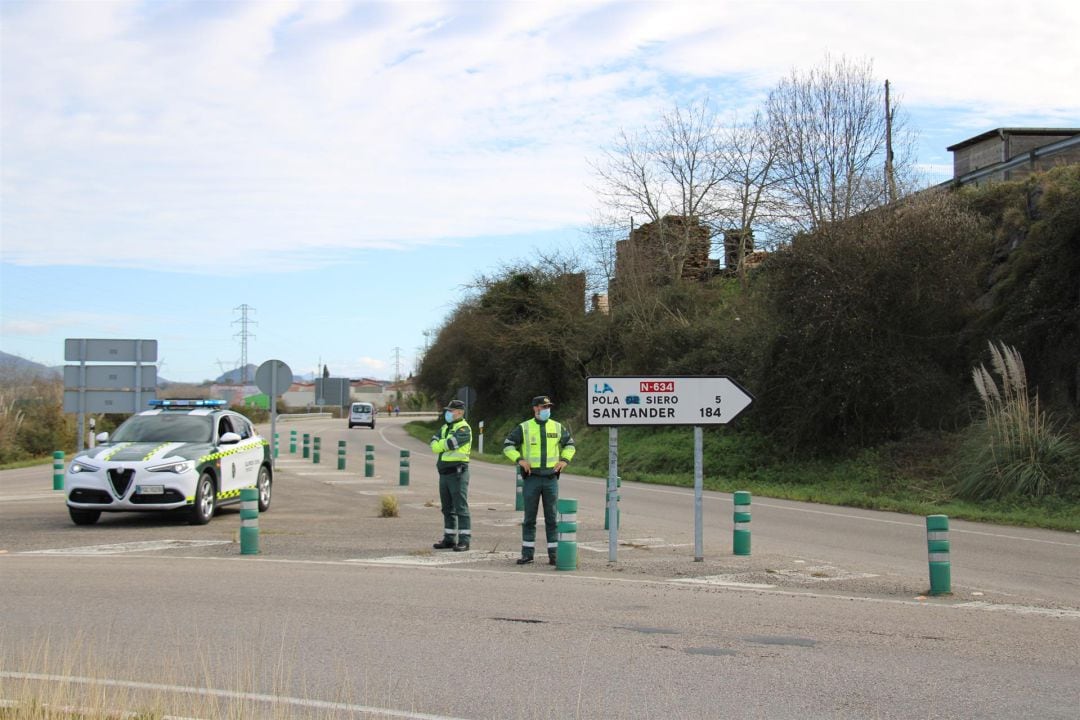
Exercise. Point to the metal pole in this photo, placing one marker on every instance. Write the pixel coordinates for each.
(612, 492)
(273, 411)
(699, 552)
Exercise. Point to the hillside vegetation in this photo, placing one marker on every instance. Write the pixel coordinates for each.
(858, 341)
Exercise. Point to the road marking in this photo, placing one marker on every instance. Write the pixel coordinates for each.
(433, 560)
(1019, 609)
(57, 494)
(128, 547)
(722, 581)
(229, 695)
(1070, 613)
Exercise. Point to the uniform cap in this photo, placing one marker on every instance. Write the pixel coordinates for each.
(541, 400)
(455, 405)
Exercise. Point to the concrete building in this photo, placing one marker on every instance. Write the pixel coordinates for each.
(1013, 153)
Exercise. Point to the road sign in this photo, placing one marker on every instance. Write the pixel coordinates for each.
(106, 401)
(108, 350)
(274, 378)
(664, 400)
(111, 377)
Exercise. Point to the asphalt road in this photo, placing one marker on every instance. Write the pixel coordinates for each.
(345, 614)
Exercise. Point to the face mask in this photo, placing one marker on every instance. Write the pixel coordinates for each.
(545, 414)
(449, 416)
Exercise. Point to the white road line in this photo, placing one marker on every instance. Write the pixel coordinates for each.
(55, 494)
(229, 695)
(128, 547)
(1070, 613)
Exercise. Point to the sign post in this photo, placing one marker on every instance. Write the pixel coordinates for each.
(274, 378)
(658, 401)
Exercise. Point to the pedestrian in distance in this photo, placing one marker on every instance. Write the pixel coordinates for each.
(541, 447)
(452, 447)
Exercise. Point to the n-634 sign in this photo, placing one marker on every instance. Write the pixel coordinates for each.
(665, 400)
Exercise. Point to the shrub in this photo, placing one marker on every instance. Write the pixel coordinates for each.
(388, 506)
(1017, 451)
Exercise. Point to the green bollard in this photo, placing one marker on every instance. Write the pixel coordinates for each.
(292, 442)
(369, 461)
(58, 470)
(741, 539)
(937, 544)
(275, 445)
(403, 472)
(519, 499)
(618, 511)
(315, 452)
(249, 521)
(566, 556)
(307, 446)
(340, 454)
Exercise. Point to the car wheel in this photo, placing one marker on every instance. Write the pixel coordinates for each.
(205, 500)
(84, 517)
(264, 485)
(351, 426)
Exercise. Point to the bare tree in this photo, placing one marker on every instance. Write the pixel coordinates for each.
(673, 168)
(829, 130)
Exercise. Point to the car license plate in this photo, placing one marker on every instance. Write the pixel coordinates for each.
(151, 489)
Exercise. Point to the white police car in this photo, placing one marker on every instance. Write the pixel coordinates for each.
(190, 454)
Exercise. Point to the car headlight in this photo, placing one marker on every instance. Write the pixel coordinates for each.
(78, 466)
(174, 467)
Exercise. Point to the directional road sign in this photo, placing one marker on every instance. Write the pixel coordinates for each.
(665, 400)
(111, 377)
(108, 350)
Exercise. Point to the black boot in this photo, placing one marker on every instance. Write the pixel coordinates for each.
(525, 559)
(444, 544)
(551, 558)
(461, 547)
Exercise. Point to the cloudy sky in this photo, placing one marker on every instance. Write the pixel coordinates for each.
(345, 168)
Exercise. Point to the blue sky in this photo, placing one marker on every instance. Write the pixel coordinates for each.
(345, 169)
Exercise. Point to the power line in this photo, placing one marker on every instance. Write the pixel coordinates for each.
(244, 336)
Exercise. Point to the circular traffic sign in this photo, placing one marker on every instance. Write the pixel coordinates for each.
(273, 377)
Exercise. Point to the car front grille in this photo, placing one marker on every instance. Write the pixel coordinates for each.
(120, 481)
(96, 497)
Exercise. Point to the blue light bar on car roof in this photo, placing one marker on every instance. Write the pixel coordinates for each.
(190, 403)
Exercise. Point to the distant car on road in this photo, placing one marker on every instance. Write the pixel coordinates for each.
(192, 454)
(362, 413)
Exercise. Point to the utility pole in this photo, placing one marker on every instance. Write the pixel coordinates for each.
(890, 179)
(397, 365)
(244, 336)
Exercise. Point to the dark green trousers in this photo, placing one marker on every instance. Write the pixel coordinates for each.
(454, 493)
(537, 488)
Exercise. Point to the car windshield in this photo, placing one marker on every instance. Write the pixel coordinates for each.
(361, 408)
(164, 428)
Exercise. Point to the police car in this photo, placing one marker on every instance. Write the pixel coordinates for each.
(191, 454)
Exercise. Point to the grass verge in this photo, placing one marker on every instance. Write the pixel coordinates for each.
(911, 477)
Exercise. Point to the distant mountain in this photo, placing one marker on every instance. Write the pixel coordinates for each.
(22, 366)
(233, 377)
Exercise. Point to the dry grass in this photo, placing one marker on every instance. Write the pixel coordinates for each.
(1018, 451)
(388, 506)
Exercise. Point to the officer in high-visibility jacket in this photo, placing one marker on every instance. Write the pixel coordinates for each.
(453, 445)
(541, 447)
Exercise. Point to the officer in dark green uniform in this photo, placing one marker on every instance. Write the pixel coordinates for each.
(541, 447)
(453, 446)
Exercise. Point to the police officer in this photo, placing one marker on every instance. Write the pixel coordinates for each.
(541, 447)
(453, 445)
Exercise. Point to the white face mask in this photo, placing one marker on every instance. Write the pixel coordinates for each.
(545, 414)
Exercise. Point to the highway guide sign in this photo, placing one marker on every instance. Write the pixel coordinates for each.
(665, 400)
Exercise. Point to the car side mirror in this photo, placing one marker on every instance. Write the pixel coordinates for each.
(102, 437)
(229, 438)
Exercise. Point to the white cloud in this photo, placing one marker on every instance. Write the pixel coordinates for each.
(200, 135)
